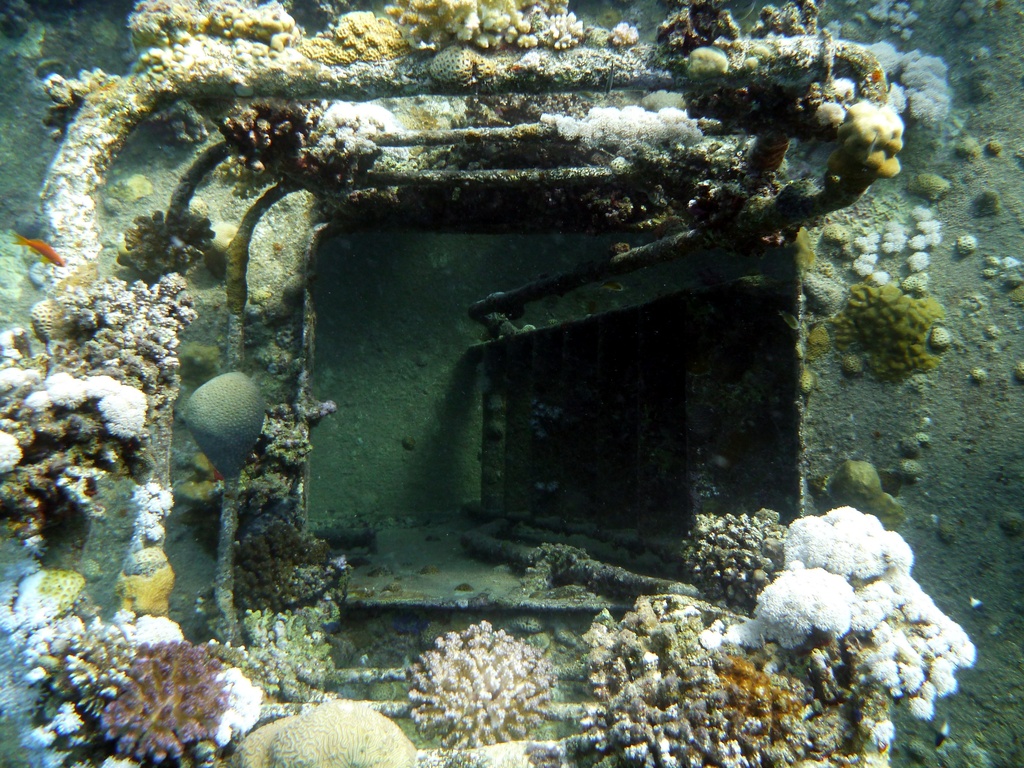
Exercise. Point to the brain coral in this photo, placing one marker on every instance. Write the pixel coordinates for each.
(460, 66)
(891, 327)
(225, 416)
(336, 734)
(171, 700)
(480, 687)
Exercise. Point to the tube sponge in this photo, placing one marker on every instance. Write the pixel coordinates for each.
(225, 416)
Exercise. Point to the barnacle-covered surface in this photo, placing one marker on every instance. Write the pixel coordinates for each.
(732, 557)
(64, 402)
(666, 699)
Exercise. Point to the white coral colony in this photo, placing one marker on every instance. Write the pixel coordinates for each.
(480, 686)
(847, 574)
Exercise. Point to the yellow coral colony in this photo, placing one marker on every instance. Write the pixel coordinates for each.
(483, 23)
(146, 581)
(891, 327)
(57, 590)
(356, 36)
(869, 139)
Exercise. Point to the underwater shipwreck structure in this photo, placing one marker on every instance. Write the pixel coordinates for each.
(444, 122)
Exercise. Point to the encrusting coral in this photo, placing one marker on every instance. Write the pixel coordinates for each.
(133, 685)
(356, 36)
(848, 580)
(79, 410)
(486, 23)
(131, 331)
(891, 328)
(667, 701)
(288, 653)
(480, 686)
(858, 484)
(159, 24)
(732, 557)
(835, 635)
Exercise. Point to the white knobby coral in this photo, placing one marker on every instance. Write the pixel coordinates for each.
(623, 35)
(244, 700)
(848, 543)
(847, 574)
(10, 452)
(152, 504)
(799, 604)
(627, 130)
(122, 407)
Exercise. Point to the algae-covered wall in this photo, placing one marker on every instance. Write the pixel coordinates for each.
(946, 441)
(392, 340)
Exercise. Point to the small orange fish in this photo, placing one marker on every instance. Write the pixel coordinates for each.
(43, 249)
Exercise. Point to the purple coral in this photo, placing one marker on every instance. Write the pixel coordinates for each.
(480, 687)
(172, 699)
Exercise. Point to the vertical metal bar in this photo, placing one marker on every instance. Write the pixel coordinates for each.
(494, 427)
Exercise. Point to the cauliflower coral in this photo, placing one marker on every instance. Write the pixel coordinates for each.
(480, 686)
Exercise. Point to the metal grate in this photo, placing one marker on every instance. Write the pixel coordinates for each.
(639, 418)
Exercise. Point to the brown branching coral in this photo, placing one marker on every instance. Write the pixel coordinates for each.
(269, 133)
(283, 567)
(172, 700)
(158, 243)
(696, 23)
(280, 453)
(799, 18)
(668, 701)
